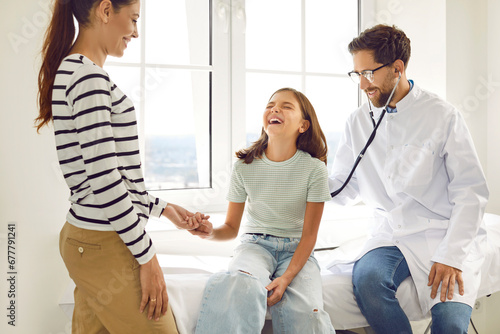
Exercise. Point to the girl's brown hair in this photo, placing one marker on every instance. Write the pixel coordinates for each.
(312, 141)
(57, 44)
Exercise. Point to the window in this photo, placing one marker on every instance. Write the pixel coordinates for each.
(300, 44)
(201, 72)
(169, 75)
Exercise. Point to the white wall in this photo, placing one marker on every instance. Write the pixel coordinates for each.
(32, 194)
(493, 105)
(427, 65)
(466, 66)
(491, 305)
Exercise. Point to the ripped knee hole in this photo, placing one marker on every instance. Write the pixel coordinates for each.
(245, 272)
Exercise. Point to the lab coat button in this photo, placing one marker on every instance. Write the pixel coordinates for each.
(399, 226)
(80, 249)
(397, 241)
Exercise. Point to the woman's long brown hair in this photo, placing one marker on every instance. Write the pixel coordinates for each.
(312, 141)
(57, 44)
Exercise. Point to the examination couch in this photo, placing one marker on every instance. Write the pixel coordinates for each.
(188, 261)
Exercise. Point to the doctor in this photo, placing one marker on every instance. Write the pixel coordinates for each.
(424, 181)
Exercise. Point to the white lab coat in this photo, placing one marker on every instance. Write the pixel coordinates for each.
(423, 178)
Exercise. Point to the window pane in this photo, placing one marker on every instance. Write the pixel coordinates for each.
(273, 34)
(177, 119)
(259, 88)
(177, 32)
(334, 99)
(330, 26)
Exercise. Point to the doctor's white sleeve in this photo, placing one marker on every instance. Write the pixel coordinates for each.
(467, 192)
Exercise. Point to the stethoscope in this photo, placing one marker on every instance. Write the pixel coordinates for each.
(370, 139)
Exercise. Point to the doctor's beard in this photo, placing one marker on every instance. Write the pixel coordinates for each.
(384, 92)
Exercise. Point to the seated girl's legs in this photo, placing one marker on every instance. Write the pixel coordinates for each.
(253, 259)
(450, 317)
(376, 277)
(236, 301)
(301, 307)
(108, 289)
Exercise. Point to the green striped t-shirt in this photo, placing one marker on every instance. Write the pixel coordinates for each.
(277, 192)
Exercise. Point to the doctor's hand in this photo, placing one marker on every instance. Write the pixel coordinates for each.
(446, 276)
(277, 289)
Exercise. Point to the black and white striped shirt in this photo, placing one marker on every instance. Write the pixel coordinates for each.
(98, 149)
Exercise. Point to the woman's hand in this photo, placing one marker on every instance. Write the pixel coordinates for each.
(277, 289)
(154, 289)
(204, 231)
(182, 218)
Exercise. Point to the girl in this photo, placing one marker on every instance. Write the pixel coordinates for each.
(284, 177)
(104, 244)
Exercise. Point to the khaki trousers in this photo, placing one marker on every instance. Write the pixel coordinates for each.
(108, 289)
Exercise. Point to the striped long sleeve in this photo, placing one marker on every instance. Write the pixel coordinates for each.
(97, 144)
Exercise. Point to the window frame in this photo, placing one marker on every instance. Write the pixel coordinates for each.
(212, 198)
(227, 99)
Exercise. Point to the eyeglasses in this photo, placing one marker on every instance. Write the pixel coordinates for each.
(368, 74)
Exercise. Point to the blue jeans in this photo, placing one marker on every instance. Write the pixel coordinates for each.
(236, 301)
(377, 276)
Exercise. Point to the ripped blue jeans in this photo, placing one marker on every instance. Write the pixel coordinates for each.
(236, 301)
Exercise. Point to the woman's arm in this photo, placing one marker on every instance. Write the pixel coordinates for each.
(312, 219)
(227, 231)
(89, 96)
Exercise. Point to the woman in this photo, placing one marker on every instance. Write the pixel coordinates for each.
(104, 245)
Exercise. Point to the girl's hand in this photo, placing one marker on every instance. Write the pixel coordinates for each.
(204, 231)
(182, 218)
(277, 289)
(194, 221)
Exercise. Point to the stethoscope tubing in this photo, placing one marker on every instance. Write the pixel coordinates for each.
(369, 141)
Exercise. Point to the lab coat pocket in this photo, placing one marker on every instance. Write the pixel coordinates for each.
(409, 166)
